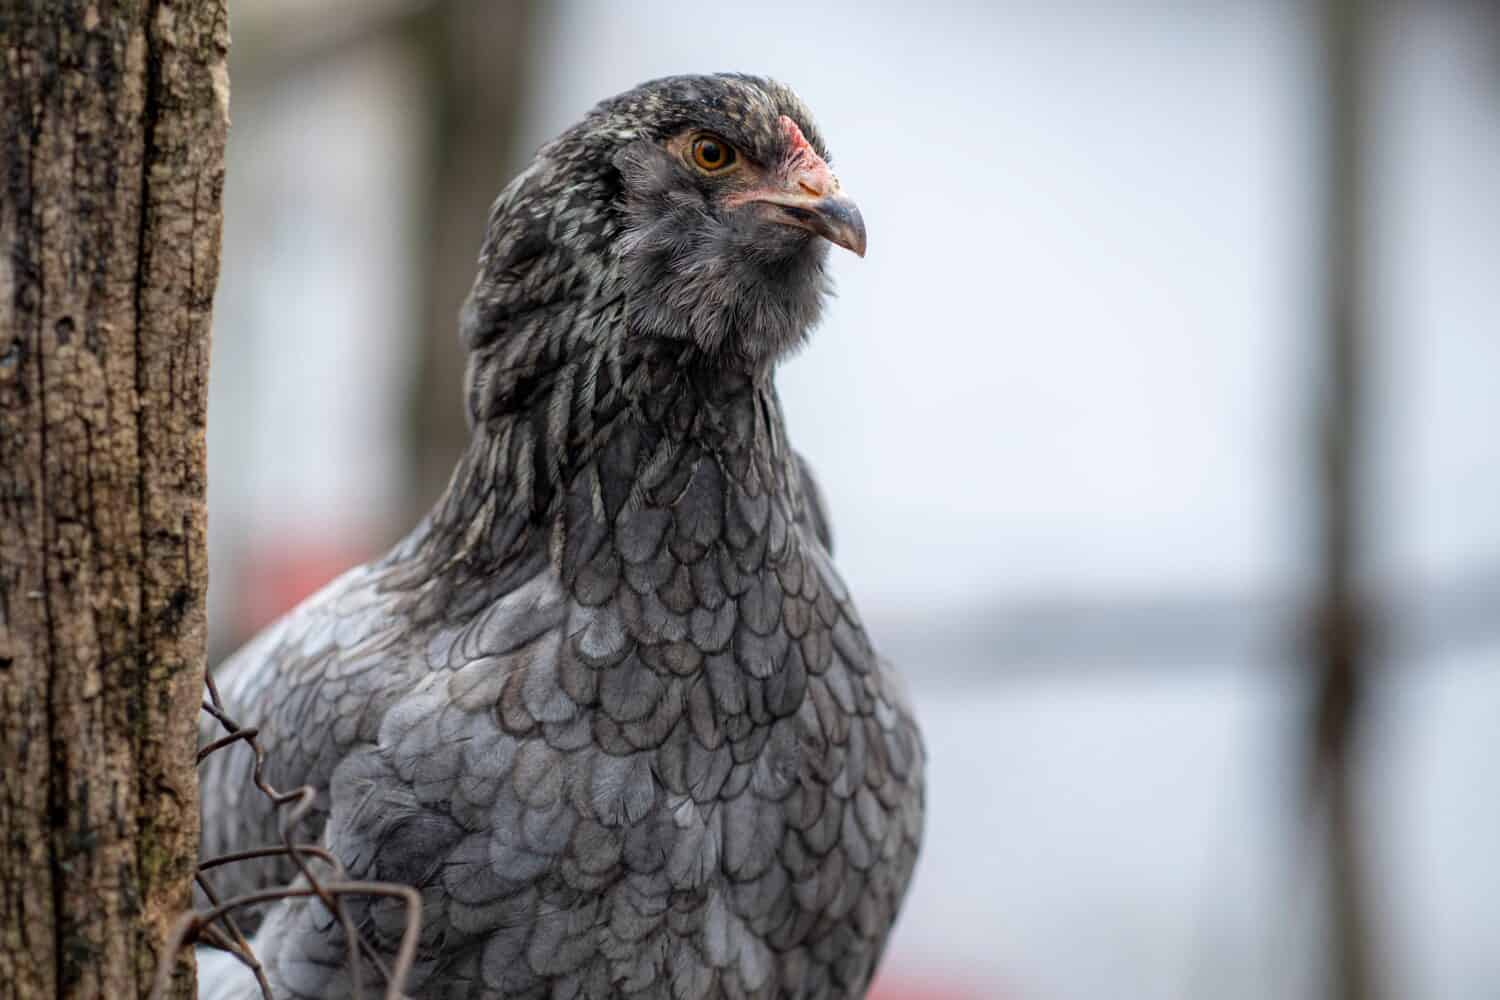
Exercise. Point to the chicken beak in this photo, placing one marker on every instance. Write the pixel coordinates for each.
(808, 196)
(834, 217)
(838, 221)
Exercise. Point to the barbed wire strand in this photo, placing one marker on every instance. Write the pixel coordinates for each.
(217, 927)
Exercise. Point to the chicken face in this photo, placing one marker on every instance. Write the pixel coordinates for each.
(797, 189)
(701, 207)
(729, 207)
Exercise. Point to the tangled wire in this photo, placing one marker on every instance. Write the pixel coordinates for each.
(216, 925)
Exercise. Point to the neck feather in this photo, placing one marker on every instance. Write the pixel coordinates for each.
(584, 448)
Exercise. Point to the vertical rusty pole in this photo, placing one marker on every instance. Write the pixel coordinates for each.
(1343, 630)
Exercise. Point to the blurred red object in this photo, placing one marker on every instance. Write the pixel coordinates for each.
(280, 579)
(904, 985)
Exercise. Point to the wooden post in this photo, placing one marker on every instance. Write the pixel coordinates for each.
(113, 119)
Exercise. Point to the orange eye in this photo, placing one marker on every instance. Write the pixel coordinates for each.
(712, 154)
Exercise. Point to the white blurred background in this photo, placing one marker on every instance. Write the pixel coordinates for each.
(1064, 413)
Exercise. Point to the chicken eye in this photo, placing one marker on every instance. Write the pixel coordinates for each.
(711, 154)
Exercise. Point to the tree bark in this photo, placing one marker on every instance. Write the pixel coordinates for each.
(113, 118)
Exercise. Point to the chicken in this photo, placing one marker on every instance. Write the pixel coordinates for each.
(609, 707)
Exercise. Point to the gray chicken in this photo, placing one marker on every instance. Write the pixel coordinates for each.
(609, 707)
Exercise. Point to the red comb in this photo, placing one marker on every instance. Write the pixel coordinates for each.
(795, 137)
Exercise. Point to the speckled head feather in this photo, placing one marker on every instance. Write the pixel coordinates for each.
(612, 229)
(743, 109)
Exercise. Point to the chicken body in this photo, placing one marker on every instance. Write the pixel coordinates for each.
(609, 708)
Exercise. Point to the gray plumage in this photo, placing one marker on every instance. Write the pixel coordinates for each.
(609, 707)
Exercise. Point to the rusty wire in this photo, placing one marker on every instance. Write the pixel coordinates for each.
(216, 926)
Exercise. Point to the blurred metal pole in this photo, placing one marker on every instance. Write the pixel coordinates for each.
(1343, 640)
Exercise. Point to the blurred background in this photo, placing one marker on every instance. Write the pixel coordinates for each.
(1161, 430)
